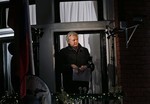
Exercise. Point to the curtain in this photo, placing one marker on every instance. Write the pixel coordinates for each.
(78, 11)
(32, 11)
(84, 11)
(7, 69)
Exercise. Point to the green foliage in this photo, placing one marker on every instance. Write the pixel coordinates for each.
(10, 98)
(114, 94)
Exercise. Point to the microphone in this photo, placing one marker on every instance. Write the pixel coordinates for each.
(80, 90)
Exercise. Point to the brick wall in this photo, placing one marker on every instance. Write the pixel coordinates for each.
(134, 61)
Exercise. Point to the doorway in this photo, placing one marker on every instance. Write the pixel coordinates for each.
(95, 42)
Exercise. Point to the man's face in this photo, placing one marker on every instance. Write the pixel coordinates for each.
(73, 41)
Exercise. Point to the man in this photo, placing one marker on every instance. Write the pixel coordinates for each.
(74, 60)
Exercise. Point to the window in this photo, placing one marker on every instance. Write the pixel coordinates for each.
(76, 5)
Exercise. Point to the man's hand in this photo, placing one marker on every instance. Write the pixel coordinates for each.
(75, 68)
(83, 68)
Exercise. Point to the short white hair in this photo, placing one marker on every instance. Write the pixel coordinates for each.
(72, 33)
